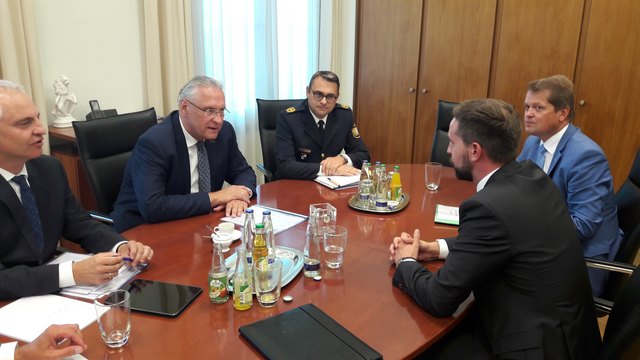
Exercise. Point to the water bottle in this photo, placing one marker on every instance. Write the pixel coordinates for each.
(247, 234)
(383, 187)
(312, 248)
(269, 235)
(242, 282)
(218, 274)
(365, 172)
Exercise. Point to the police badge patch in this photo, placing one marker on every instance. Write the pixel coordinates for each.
(354, 132)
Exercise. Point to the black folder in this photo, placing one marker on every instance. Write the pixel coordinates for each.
(306, 333)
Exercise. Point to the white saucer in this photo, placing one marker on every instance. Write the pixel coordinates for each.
(237, 234)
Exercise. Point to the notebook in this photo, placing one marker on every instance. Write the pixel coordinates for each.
(160, 298)
(306, 333)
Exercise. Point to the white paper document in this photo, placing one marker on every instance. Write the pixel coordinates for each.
(26, 318)
(282, 220)
(338, 182)
(91, 292)
(447, 215)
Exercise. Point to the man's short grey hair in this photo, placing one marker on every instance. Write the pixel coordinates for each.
(6, 85)
(189, 89)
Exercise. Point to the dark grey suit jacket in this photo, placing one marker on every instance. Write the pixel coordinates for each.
(22, 272)
(519, 253)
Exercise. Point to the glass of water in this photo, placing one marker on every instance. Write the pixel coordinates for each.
(432, 173)
(335, 244)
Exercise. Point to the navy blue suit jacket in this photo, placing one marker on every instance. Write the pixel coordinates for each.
(300, 147)
(518, 252)
(157, 183)
(22, 268)
(580, 170)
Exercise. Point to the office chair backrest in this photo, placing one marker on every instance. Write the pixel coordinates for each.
(621, 339)
(104, 146)
(267, 117)
(628, 203)
(440, 136)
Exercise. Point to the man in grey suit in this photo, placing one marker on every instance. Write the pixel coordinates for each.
(517, 251)
(37, 208)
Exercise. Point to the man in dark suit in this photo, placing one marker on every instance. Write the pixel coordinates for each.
(311, 136)
(178, 167)
(37, 208)
(517, 252)
(578, 167)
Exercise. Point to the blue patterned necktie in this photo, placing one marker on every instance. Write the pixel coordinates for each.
(540, 156)
(204, 175)
(31, 207)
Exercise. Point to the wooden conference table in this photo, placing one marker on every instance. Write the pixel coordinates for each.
(360, 296)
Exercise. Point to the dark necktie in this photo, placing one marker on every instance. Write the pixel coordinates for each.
(321, 128)
(204, 175)
(31, 207)
(540, 155)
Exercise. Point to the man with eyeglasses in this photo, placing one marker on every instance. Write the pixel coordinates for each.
(178, 167)
(318, 136)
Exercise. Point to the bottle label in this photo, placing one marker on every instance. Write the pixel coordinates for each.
(218, 288)
(315, 266)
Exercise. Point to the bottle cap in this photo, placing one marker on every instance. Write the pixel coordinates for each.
(317, 278)
(287, 298)
(260, 226)
(249, 211)
(266, 212)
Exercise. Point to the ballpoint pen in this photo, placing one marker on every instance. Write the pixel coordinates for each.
(334, 182)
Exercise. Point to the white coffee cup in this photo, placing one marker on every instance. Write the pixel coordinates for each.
(224, 230)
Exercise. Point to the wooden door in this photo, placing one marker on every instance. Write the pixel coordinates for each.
(386, 71)
(608, 82)
(534, 39)
(454, 62)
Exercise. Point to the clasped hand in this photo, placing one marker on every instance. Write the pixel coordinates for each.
(407, 246)
(336, 165)
(235, 199)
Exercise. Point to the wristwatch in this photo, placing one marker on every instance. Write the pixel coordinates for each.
(345, 158)
(407, 258)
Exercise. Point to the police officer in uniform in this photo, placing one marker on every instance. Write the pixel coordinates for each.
(312, 135)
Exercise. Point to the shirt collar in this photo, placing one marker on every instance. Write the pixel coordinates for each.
(552, 143)
(318, 119)
(7, 175)
(190, 140)
(481, 184)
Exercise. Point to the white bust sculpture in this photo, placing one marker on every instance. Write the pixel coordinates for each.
(65, 102)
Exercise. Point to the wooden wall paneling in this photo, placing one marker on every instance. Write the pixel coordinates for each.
(454, 62)
(534, 39)
(387, 68)
(608, 81)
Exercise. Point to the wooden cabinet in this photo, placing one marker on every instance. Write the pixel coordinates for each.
(412, 53)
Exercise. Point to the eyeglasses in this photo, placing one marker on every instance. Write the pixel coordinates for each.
(318, 96)
(209, 112)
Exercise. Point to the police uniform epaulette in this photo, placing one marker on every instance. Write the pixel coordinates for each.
(341, 106)
(294, 109)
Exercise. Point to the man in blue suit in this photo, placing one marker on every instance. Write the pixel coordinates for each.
(178, 167)
(577, 166)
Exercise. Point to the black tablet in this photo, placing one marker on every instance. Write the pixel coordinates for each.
(160, 298)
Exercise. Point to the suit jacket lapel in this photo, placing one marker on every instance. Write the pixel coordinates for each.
(9, 197)
(182, 153)
(571, 130)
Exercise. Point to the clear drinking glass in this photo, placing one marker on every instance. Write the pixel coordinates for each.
(432, 173)
(335, 244)
(323, 215)
(267, 280)
(114, 317)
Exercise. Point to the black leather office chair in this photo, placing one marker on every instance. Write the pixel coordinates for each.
(104, 146)
(628, 203)
(621, 338)
(267, 117)
(440, 136)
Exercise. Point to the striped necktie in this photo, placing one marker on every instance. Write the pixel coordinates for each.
(31, 207)
(204, 175)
